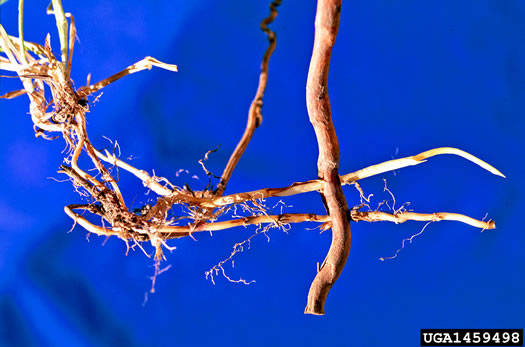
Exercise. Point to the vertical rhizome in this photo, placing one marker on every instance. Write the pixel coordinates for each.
(65, 114)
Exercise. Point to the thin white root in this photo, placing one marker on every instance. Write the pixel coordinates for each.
(409, 239)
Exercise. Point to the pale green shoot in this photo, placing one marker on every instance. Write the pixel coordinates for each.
(21, 30)
(56, 8)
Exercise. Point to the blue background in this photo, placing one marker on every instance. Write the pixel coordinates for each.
(405, 77)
